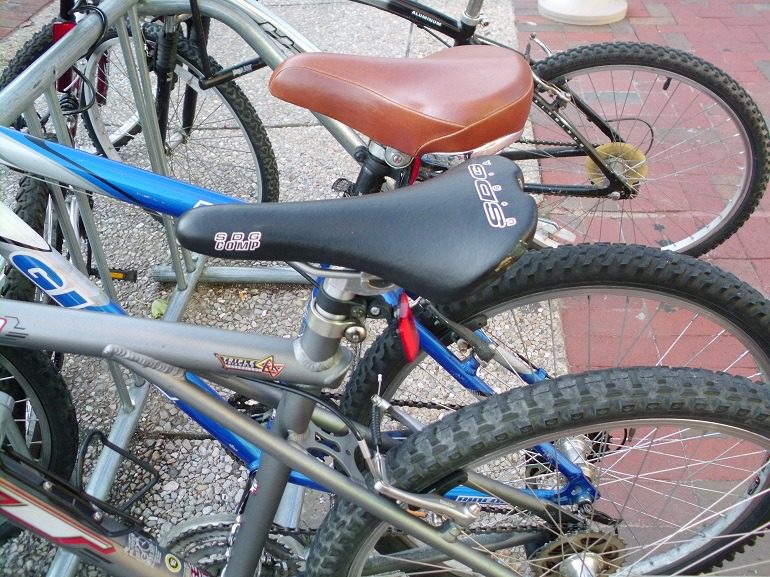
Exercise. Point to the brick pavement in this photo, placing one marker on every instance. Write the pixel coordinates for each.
(14, 13)
(732, 34)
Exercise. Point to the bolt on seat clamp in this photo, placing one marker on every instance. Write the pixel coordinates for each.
(392, 157)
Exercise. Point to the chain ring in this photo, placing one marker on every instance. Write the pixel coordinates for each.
(206, 543)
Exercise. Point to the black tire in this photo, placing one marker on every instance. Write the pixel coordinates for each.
(236, 162)
(31, 206)
(32, 195)
(578, 308)
(626, 406)
(27, 54)
(700, 174)
(44, 411)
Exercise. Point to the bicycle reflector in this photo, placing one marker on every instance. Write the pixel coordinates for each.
(407, 329)
(61, 28)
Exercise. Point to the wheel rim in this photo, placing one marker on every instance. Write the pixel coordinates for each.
(218, 133)
(28, 412)
(592, 327)
(681, 459)
(697, 152)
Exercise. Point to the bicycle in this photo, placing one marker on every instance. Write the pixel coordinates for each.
(603, 185)
(148, 336)
(223, 111)
(744, 326)
(548, 510)
(574, 73)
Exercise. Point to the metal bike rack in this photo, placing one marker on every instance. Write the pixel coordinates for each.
(186, 271)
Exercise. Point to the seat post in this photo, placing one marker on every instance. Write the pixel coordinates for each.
(372, 175)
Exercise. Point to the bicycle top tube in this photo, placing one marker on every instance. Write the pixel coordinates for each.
(417, 13)
(99, 175)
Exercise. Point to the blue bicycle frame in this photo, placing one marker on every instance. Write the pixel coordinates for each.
(170, 197)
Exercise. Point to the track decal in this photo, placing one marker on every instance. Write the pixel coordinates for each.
(266, 366)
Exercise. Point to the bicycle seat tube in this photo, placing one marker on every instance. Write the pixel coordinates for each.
(318, 347)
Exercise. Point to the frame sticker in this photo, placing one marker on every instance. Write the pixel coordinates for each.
(49, 523)
(266, 366)
(10, 327)
(143, 549)
(173, 563)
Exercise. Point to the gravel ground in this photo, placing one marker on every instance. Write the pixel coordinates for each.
(197, 477)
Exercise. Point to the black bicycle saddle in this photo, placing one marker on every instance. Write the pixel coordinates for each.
(439, 239)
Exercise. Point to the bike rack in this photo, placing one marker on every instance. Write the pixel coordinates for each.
(186, 270)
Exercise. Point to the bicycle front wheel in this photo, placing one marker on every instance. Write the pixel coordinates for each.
(578, 308)
(682, 132)
(214, 137)
(42, 415)
(679, 458)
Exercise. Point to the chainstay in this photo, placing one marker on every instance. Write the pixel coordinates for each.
(410, 404)
(544, 142)
(195, 436)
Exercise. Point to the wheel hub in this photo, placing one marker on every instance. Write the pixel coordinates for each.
(583, 554)
(624, 159)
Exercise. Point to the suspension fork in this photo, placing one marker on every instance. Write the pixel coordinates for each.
(199, 36)
(165, 65)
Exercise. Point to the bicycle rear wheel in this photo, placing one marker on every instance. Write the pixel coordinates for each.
(679, 458)
(578, 308)
(686, 135)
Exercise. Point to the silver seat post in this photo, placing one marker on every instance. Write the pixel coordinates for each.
(317, 348)
(319, 344)
(472, 11)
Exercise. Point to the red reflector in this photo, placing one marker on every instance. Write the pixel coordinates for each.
(59, 30)
(407, 329)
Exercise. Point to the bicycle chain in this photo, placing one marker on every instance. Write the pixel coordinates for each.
(544, 142)
(300, 532)
(240, 403)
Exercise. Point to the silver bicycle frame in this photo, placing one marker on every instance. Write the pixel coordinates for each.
(195, 348)
(126, 340)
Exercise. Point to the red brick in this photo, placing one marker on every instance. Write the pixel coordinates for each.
(762, 269)
(755, 237)
(636, 9)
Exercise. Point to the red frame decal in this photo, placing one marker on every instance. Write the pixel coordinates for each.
(39, 517)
